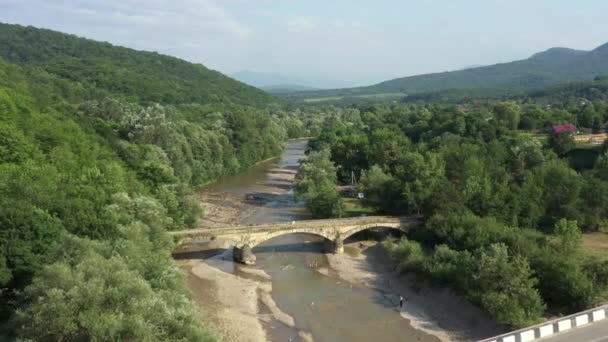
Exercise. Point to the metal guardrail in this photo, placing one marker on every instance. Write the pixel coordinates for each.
(553, 327)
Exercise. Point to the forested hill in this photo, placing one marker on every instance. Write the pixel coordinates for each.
(101, 148)
(570, 92)
(546, 68)
(105, 69)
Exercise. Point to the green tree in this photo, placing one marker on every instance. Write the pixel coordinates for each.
(507, 114)
(507, 287)
(380, 190)
(409, 253)
(100, 299)
(5, 272)
(588, 116)
(316, 185)
(601, 166)
(524, 154)
(569, 235)
(593, 208)
(563, 281)
(562, 143)
(418, 174)
(28, 234)
(560, 187)
(451, 267)
(386, 148)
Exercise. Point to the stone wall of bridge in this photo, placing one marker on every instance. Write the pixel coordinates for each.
(335, 231)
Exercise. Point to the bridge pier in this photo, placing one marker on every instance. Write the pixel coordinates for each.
(339, 246)
(243, 255)
(335, 247)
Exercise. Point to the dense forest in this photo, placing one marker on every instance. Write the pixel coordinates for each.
(562, 93)
(554, 66)
(101, 148)
(504, 209)
(102, 69)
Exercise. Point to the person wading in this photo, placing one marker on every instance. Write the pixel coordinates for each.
(400, 302)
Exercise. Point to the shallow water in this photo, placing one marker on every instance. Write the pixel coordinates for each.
(325, 306)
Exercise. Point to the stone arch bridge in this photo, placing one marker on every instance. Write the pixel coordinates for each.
(335, 231)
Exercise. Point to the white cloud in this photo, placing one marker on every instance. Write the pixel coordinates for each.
(339, 23)
(300, 24)
(203, 16)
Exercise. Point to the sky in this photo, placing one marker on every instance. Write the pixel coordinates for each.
(327, 43)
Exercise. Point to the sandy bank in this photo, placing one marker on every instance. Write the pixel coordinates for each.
(230, 303)
(434, 310)
(239, 307)
(229, 209)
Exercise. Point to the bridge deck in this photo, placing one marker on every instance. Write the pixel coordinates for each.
(304, 224)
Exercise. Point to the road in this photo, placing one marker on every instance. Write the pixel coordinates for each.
(596, 332)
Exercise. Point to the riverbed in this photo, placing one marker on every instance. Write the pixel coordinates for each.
(297, 293)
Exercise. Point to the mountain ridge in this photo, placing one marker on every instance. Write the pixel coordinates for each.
(162, 78)
(542, 69)
(557, 52)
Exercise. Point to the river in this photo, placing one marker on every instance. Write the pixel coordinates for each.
(313, 301)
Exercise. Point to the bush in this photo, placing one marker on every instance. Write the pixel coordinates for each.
(100, 299)
(408, 253)
(450, 267)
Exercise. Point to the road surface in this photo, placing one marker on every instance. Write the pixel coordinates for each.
(596, 332)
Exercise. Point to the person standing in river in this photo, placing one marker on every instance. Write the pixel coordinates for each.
(400, 302)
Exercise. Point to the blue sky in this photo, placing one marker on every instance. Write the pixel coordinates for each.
(329, 43)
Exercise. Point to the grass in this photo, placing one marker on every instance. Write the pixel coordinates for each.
(338, 98)
(543, 138)
(596, 243)
(354, 208)
(323, 99)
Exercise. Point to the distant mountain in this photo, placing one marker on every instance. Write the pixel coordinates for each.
(264, 80)
(546, 68)
(557, 54)
(137, 75)
(472, 66)
(595, 90)
(286, 88)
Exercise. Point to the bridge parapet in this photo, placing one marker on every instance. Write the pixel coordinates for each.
(245, 237)
(339, 225)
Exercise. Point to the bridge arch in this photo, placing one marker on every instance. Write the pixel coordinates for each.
(255, 242)
(361, 228)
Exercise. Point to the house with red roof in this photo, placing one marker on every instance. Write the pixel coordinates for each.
(557, 129)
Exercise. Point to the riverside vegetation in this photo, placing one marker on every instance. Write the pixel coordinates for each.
(504, 211)
(100, 150)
